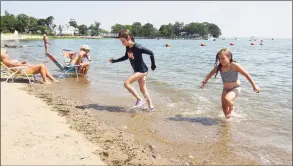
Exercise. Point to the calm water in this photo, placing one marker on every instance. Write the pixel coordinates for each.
(263, 120)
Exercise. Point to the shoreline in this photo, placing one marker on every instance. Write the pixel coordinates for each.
(11, 37)
(7, 37)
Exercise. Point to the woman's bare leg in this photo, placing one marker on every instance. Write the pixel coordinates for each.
(49, 75)
(35, 69)
(87, 67)
(84, 68)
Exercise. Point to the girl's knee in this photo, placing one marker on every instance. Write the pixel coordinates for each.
(228, 101)
(126, 84)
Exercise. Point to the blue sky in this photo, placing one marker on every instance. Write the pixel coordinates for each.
(236, 19)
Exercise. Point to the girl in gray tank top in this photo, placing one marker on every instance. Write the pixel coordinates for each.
(229, 72)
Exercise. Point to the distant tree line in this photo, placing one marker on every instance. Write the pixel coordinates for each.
(29, 24)
(178, 29)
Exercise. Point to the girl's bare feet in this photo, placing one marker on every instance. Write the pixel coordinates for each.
(229, 114)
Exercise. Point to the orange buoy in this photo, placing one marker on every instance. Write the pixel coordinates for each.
(231, 44)
(252, 44)
(203, 44)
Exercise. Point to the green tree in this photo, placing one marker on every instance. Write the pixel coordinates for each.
(22, 22)
(213, 29)
(164, 31)
(73, 23)
(93, 30)
(136, 29)
(8, 22)
(49, 21)
(117, 28)
(83, 30)
(171, 30)
(42, 22)
(178, 27)
(97, 27)
(104, 31)
(33, 23)
(148, 30)
(129, 27)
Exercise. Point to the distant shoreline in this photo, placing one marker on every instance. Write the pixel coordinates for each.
(10, 36)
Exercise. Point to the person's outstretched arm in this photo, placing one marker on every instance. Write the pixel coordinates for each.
(241, 70)
(208, 77)
(125, 57)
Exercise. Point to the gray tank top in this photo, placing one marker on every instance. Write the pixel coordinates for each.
(229, 76)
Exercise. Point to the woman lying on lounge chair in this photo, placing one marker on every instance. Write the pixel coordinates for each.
(31, 69)
(78, 59)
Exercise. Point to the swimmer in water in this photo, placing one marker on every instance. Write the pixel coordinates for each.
(134, 53)
(229, 70)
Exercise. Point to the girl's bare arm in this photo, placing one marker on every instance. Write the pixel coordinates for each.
(242, 71)
(210, 75)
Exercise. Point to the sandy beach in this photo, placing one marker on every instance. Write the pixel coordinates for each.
(5, 37)
(32, 134)
(35, 131)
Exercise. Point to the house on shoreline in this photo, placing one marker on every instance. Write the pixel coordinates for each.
(66, 30)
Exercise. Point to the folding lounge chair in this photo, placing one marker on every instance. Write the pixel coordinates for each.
(68, 68)
(14, 72)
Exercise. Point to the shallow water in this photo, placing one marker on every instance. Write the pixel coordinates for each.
(261, 129)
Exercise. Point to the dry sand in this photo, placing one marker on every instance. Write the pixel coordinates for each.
(33, 134)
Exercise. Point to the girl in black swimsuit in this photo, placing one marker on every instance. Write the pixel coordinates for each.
(134, 53)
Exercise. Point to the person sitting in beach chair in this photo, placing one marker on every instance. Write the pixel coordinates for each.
(78, 59)
(25, 68)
